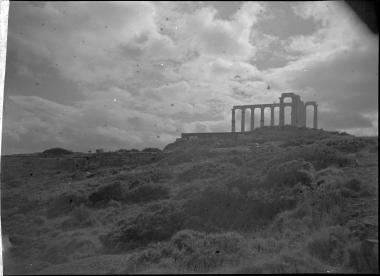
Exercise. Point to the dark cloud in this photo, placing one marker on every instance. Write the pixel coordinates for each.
(343, 120)
(348, 82)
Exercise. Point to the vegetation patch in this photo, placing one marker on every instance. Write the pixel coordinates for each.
(192, 252)
(65, 203)
(217, 207)
(157, 223)
(328, 244)
(320, 156)
(290, 173)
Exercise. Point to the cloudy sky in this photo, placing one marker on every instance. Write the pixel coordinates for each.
(87, 75)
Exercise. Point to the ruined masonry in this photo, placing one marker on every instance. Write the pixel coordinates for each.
(298, 112)
(297, 116)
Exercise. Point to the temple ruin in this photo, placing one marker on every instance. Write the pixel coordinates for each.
(297, 115)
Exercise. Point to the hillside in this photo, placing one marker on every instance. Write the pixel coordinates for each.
(279, 200)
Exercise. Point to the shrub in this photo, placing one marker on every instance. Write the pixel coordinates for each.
(266, 245)
(354, 184)
(147, 192)
(237, 160)
(330, 198)
(205, 170)
(286, 262)
(145, 176)
(113, 191)
(348, 145)
(198, 252)
(192, 251)
(362, 257)
(319, 155)
(328, 244)
(140, 187)
(179, 158)
(151, 225)
(296, 220)
(65, 203)
(328, 201)
(66, 249)
(290, 173)
(359, 187)
(56, 151)
(297, 142)
(243, 183)
(217, 207)
(151, 150)
(79, 217)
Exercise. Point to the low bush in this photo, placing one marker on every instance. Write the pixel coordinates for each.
(151, 150)
(68, 249)
(193, 252)
(199, 252)
(290, 173)
(65, 203)
(296, 220)
(147, 192)
(297, 142)
(179, 158)
(358, 187)
(206, 170)
(237, 160)
(243, 183)
(328, 203)
(265, 245)
(321, 156)
(56, 152)
(286, 262)
(362, 257)
(348, 145)
(219, 207)
(328, 245)
(79, 217)
(114, 191)
(144, 176)
(136, 191)
(157, 223)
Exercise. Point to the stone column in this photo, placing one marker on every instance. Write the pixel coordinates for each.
(293, 114)
(233, 120)
(281, 119)
(272, 116)
(315, 123)
(301, 114)
(242, 120)
(262, 117)
(304, 115)
(252, 118)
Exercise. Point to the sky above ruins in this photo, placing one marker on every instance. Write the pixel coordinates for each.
(112, 75)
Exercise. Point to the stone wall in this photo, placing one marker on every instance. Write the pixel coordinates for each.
(222, 135)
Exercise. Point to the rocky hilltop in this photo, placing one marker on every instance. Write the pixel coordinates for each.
(277, 200)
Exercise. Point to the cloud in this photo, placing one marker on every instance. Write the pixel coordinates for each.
(137, 74)
(337, 66)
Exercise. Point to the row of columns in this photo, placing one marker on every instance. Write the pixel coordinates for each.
(298, 112)
(242, 127)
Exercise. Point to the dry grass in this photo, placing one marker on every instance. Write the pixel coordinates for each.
(268, 209)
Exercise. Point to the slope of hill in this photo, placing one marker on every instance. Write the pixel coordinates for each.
(275, 201)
